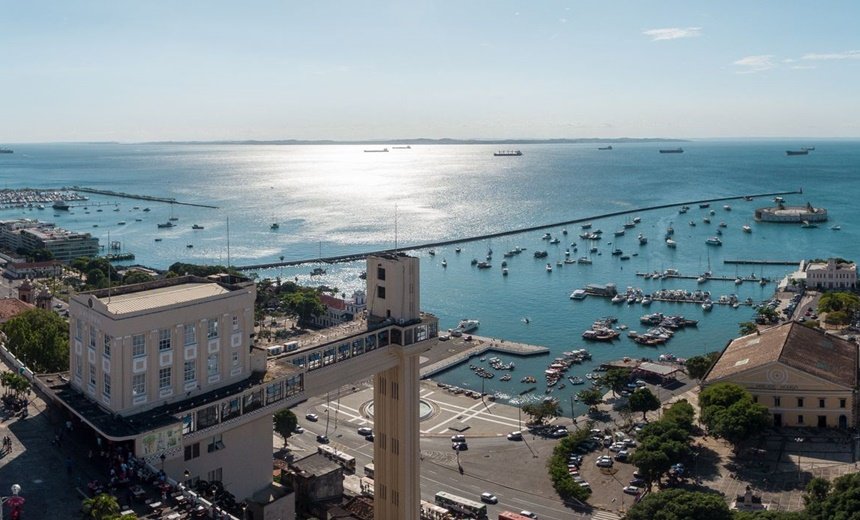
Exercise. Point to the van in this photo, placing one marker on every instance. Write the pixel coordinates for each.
(291, 346)
(274, 350)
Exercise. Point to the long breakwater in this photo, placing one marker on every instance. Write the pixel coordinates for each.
(360, 256)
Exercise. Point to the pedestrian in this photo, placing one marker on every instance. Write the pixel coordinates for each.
(69, 425)
(69, 464)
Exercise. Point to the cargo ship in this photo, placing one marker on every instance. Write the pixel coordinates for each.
(671, 150)
(797, 152)
(508, 153)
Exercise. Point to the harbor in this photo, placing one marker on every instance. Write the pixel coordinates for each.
(479, 346)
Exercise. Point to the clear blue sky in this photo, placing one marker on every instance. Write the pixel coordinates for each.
(159, 70)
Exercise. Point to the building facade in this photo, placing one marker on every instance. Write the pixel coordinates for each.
(803, 376)
(32, 235)
(833, 274)
(340, 310)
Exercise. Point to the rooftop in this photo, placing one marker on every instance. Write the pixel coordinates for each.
(161, 297)
(808, 350)
(314, 466)
(11, 307)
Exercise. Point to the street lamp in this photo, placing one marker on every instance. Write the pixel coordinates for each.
(15, 502)
(162, 457)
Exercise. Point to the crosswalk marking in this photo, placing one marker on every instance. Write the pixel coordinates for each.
(604, 515)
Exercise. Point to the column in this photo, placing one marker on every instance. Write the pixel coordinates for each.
(396, 450)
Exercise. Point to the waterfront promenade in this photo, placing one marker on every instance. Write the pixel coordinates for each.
(478, 346)
(360, 256)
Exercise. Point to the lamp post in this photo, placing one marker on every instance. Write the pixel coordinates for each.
(15, 501)
(162, 457)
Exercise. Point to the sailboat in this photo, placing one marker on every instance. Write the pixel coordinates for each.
(318, 271)
(275, 224)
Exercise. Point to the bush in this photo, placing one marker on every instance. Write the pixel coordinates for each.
(562, 481)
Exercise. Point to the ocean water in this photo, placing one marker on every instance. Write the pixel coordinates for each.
(332, 200)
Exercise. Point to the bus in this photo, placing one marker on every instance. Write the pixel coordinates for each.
(510, 515)
(347, 461)
(368, 470)
(460, 505)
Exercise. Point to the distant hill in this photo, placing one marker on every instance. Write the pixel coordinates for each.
(425, 141)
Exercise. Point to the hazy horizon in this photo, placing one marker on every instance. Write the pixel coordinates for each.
(95, 71)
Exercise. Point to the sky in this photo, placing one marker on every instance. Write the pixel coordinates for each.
(351, 70)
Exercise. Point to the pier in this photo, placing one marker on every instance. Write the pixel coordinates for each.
(168, 200)
(481, 347)
(716, 278)
(360, 256)
(762, 262)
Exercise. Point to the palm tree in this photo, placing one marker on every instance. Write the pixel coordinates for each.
(101, 507)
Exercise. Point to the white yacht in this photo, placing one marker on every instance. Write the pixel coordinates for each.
(671, 243)
(747, 228)
(578, 294)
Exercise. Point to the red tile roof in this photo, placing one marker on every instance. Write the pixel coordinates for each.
(331, 301)
(11, 307)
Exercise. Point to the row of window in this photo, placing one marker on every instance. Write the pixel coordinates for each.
(822, 402)
(165, 374)
(216, 443)
(165, 337)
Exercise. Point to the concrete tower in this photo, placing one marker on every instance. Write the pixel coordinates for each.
(393, 298)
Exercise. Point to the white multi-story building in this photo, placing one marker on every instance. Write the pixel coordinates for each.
(833, 274)
(341, 310)
(32, 235)
(168, 369)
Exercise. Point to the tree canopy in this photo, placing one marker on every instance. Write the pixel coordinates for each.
(562, 481)
(664, 442)
(615, 379)
(839, 301)
(285, 422)
(643, 400)
(698, 366)
(680, 504)
(305, 304)
(729, 412)
(542, 410)
(40, 338)
(590, 397)
(747, 327)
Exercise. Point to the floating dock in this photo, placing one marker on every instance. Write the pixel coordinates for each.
(168, 200)
(762, 262)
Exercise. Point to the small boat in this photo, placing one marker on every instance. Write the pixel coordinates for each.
(504, 271)
(747, 228)
(457, 250)
(723, 224)
(432, 252)
(583, 260)
(166, 225)
(806, 224)
(586, 225)
(637, 220)
(275, 225)
(172, 219)
(727, 207)
(624, 257)
(484, 265)
(578, 294)
(318, 271)
(706, 220)
(196, 226)
(617, 252)
(619, 233)
(474, 261)
(684, 209)
(574, 380)
(808, 148)
(714, 241)
(671, 243)
(719, 231)
(189, 246)
(739, 281)
(546, 236)
(555, 241)
(670, 231)
(693, 223)
(158, 240)
(121, 223)
(138, 220)
(836, 227)
(642, 239)
(549, 268)
(444, 263)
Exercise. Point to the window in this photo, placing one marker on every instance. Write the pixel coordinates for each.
(163, 340)
(776, 401)
(235, 322)
(192, 451)
(235, 359)
(106, 386)
(108, 343)
(822, 403)
(138, 385)
(93, 374)
(164, 378)
(380, 273)
(799, 419)
(92, 337)
(380, 292)
(216, 443)
(800, 402)
(190, 334)
(212, 364)
(138, 345)
(212, 328)
(190, 371)
(79, 362)
(214, 475)
(842, 403)
(79, 326)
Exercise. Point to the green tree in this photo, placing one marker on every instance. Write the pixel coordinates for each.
(770, 515)
(680, 504)
(14, 384)
(590, 397)
(558, 470)
(643, 400)
(615, 379)
(816, 490)
(698, 366)
(542, 410)
(839, 301)
(305, 305)
(747, 328)
(729, 412)
(285, 422)
(681, 414)
(838, 318)
(42, 255)
(101, 507)
(136, 277)
(40, 338)
(840, 503)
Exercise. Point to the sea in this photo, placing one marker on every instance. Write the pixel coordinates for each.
(336, 200)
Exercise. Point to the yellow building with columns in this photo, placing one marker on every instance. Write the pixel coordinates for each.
(803, 376)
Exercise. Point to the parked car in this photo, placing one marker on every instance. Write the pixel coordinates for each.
(489, 498)
(618, 446)
(622, 456)
(365, 430)
(459, 446)
(458, 438)
(322, 439)
(638, 482)
(312, 417)
(604, 462)
(528, 514)
(298, 429)
(515, 436)
(632, 490)
(369, 437)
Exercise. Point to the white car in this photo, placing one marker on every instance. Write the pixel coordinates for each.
(458, 438)
(312, 417)
(528, 514)
(299, 429)
(604, 462)
(489, 498)
(632, 490)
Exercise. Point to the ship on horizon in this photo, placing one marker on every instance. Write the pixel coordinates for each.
(605, 147)
(797, 152)
(672, 150)
(377, 150)
(6, 150)
(508, 153)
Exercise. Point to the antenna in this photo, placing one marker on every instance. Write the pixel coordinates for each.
(228, 243)
(109, 265)
(395, 227)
